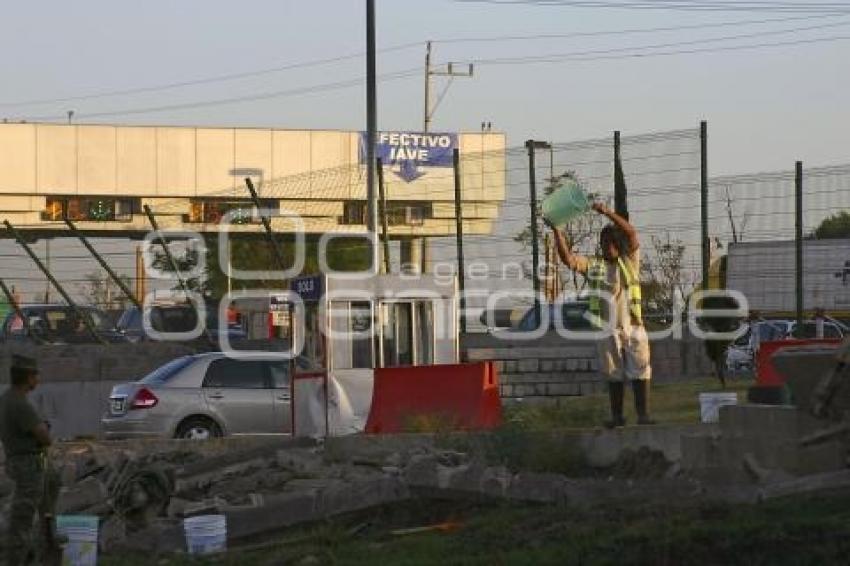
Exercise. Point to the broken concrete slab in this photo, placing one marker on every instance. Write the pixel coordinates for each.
(82, 495)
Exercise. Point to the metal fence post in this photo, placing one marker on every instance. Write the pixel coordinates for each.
(461, 280)
(798, 239)
(703, 189)
(531, 145)
(382, 212)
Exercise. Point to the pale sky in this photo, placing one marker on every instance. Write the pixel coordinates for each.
(766, 107)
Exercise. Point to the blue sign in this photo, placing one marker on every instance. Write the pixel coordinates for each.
(410, 153)
(309, 288)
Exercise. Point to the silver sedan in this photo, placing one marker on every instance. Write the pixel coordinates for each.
(203, 396)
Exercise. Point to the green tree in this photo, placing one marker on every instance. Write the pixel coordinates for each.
(835, 226)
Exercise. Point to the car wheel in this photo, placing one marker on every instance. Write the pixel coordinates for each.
(198, 428)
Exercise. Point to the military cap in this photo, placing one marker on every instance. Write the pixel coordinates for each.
(24, 362)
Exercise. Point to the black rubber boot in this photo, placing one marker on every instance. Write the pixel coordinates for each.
(640, 387)
(616, 390)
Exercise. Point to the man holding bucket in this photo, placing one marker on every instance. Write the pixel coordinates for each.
(26, 438)
(614, 280)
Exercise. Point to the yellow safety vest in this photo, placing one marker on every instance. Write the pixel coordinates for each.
(597, 275)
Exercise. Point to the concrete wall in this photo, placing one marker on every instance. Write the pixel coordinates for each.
(76, 380)
(553, 367)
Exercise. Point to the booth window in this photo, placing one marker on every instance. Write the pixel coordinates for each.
(312, 356)
(407, 333)
(351, 323)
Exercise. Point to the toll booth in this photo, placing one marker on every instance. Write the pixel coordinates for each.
(345, 328)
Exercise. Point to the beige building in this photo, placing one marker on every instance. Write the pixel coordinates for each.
(101, 176)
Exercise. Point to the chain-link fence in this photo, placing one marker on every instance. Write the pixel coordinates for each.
(750, 230)
(753, 234)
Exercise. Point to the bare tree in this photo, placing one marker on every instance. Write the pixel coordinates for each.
(665, 279)
(737, 229)
(99, 289)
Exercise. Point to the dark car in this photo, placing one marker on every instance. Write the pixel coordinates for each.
(570, 315)
(58, 324)
(175, 318)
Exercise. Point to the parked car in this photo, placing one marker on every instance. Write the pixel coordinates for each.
(203, 396)
(57, 324)
(740, 356)
(570, 315)
(175, 318)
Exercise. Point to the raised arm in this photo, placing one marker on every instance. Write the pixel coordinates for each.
(571, 260)
(621, 223)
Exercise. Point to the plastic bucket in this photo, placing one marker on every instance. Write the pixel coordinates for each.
(82, 532)
(205, 534)
(710, 403)
(565, 204)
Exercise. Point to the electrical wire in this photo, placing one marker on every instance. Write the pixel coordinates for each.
(731, 6)
(239, 99)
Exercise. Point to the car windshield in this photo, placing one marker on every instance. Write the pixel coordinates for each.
(60, 321)
(166, 372)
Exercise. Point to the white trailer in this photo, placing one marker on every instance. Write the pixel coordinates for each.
(765, 273)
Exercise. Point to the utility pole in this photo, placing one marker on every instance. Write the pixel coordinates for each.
(371, 132)
(451, 70)
(531, 146)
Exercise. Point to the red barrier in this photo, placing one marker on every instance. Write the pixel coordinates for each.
(457, 397)
(766, 374)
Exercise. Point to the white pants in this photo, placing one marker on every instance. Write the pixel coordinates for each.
(625, 355)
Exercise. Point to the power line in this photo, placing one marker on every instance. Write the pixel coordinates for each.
(627, 31)
(707, 6)
(204, 80)
(400, 47)
(552, 57)
(688, 51)
(247, 98)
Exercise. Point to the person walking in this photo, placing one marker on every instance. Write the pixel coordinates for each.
(26, 438)
(615, 304)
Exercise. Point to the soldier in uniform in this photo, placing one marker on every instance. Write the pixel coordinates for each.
(26, 438)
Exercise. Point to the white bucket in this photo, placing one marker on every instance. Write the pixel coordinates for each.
(710, 403)
(205, 534)
(82, 531)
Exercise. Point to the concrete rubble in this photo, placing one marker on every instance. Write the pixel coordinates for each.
(143, 490)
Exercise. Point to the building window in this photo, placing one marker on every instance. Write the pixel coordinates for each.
(353, 213)
(399, 213)
(90, 209)
(212, 211)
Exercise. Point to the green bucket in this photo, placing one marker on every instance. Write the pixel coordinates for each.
(565, 204)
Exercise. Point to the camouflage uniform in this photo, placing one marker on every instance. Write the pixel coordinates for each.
(36, 482)
(36, 491)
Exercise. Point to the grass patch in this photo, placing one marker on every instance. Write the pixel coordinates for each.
(671, 403)
(792, 531)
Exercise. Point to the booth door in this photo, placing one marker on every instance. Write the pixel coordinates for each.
(352, 354)
(407, 333)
